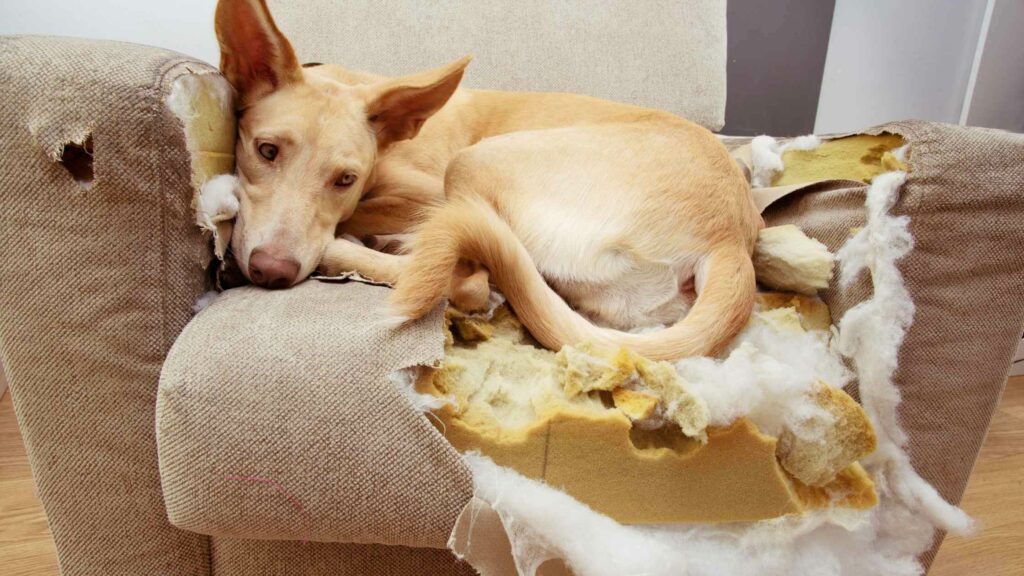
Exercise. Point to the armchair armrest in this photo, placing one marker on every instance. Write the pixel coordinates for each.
(100, 263)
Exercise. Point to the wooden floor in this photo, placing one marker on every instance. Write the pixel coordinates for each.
(995, 497)
(26, 547)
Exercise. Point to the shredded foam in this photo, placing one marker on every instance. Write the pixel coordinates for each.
(204, 103)
(761, 375)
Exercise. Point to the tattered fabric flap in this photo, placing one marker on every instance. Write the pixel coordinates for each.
(479, 538)
(351, 276)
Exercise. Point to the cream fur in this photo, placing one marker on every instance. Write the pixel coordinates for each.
(564, 202)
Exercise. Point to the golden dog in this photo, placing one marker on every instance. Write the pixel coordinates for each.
(591, 217)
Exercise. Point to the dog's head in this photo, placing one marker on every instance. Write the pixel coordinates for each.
(308, 139)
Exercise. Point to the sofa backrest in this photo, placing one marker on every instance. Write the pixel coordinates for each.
(659, 53)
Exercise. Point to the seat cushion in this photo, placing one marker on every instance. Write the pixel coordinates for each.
(659, 53)
(276, 419)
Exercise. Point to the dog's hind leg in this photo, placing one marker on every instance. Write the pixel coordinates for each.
(470, 290)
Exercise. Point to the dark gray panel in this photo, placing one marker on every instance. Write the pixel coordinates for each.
(776, 59)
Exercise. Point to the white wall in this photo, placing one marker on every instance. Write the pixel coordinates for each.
(182, 25)
(897, 59)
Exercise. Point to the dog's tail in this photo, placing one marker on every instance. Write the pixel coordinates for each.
(470, 228)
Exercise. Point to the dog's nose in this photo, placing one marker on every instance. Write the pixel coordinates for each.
(271, 271)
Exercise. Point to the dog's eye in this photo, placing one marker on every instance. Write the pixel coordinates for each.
(268, 151)
(347, 179)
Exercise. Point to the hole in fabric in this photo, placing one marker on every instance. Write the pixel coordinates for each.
(77, 160)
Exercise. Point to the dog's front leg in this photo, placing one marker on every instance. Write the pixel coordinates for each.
(346, 256)
(470, 288)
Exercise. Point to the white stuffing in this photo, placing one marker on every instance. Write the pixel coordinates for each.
(204, 300)
(871, 333)
(216, 208)
(544, 523)
(766, 161)
(218, 202)
(204, 103)
(901, 152)
(763, 369)
(808, 142)
(768, 376)
(184, 92)
(766, 156)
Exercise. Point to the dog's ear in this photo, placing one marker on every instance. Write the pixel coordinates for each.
(254, 56)
(397, 108)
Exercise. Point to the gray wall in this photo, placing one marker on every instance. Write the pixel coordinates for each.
(776, 58)
(996, 99)
(898, 59)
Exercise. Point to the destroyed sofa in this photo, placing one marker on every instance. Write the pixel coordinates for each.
(261, 463)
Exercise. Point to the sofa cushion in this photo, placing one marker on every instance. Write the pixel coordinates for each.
(586, 46)
(276, 419)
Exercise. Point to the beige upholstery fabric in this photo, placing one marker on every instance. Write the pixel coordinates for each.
(95, 285)
(965, 199)
(276, 558)
(276, 420)
(669, 55)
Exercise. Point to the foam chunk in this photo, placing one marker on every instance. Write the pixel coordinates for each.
(786, 259)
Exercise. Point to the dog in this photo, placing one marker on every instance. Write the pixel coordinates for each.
(592, 218)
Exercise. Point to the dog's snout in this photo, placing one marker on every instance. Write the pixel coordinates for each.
(272, 271)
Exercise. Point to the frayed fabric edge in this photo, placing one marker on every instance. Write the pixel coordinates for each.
(871, 334)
